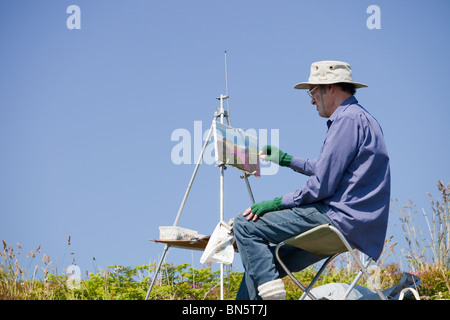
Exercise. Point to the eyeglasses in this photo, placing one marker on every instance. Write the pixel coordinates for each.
(311, 92)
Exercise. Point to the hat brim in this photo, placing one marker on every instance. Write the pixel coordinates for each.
(307, 85)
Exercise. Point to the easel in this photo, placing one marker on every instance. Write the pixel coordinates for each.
(219, 114)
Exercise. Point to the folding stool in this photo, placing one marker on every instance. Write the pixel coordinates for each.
(327, 241)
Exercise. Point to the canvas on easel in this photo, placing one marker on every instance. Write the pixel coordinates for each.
(236, 148)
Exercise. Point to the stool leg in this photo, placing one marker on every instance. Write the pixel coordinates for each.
(289, 273)
(355, 281)
(318, 274)
(360, 264)
(364, 270)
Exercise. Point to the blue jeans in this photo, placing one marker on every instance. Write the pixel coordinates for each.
(256, 241)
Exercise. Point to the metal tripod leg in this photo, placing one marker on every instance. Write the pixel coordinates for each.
(250, 193)
(182, 206)
(166, 247)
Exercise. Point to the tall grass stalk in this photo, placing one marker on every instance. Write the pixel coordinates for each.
(429, 252)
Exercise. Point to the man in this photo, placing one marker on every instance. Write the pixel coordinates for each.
(348, 187)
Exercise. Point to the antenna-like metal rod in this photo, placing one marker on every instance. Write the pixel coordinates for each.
(226, 73)
(226, 88)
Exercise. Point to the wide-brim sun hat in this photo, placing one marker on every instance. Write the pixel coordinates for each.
(329, 72)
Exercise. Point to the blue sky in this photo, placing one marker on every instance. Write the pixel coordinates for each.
(86, 115)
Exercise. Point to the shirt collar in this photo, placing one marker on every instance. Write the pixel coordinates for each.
(349, 101)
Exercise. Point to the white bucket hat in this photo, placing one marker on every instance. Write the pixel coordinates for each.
(329, 72)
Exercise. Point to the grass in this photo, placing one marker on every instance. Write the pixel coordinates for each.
(428, 250)
(427, 254)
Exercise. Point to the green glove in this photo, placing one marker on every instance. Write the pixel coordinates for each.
(265, 206)
(276, 155)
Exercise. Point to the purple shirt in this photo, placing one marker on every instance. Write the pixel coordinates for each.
(351, 178)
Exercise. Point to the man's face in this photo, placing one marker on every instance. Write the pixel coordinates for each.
(319, 97)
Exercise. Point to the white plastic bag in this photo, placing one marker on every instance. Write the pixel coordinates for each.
(220, 246)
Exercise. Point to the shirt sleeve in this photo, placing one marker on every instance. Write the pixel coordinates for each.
(304, 166)
(340, 147)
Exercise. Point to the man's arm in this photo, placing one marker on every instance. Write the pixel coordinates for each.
(272, 153)
(304, 166)
(339, 149)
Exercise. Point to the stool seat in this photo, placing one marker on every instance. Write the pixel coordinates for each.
(325, 240)
(319, 240)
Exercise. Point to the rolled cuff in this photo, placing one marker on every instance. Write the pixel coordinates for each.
(288, 201)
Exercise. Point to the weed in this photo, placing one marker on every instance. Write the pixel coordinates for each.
(428, 253)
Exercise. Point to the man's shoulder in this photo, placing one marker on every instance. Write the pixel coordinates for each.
(359, 116)
(354, 111)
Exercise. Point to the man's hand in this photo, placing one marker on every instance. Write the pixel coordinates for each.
(250, 214)
(262, 207)
(273, 154)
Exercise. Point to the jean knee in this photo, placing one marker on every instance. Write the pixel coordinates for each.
(238, 224)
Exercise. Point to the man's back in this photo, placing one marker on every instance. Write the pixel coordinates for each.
(360, 205)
